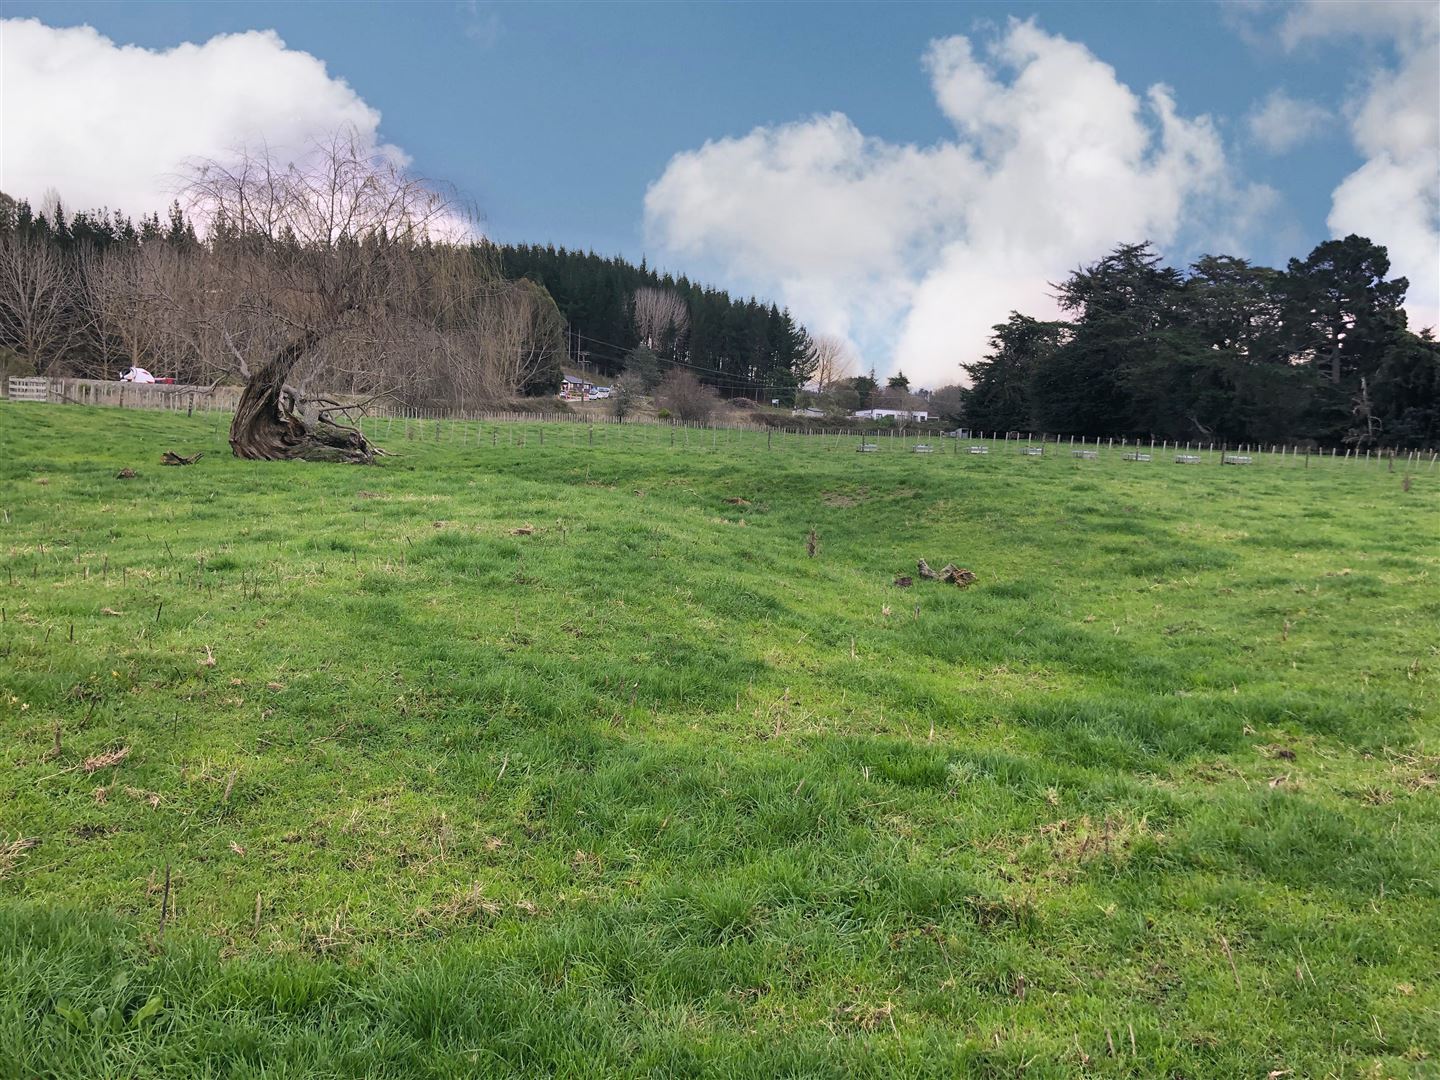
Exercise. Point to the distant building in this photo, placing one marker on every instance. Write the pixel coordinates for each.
(813, 414)
(919, 415)
(573, 388)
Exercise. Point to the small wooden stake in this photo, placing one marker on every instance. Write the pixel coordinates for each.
(165, 900)
(1233, 971)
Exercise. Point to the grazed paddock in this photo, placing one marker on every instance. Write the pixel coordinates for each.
(509, 757)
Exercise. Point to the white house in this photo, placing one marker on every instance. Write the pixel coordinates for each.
(920, 415)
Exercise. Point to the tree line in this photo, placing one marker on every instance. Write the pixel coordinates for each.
(739, 347)
(92, 294)
(1224, 351)
(381, 304)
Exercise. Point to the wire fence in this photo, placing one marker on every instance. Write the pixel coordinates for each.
(386, 422)
(519, 431)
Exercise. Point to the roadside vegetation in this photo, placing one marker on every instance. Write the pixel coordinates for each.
(535, 751)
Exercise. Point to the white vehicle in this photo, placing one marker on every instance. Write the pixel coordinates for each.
(599, 392)
(137, 374)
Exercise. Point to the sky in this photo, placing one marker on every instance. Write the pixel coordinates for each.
(900, 175)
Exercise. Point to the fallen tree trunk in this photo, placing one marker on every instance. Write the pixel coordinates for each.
(268, 426)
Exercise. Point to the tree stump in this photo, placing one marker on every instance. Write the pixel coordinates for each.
(269, 427)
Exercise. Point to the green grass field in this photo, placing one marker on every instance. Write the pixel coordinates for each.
(511, 759)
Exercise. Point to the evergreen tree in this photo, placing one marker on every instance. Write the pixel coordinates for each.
(999, 394)
(1341, 314)
(1123, 308)
(863, 387)
(644, 367)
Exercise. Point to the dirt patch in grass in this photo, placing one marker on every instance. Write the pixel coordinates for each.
(845, 500)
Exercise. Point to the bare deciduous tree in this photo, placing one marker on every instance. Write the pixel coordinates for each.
(310, 266)
(139, 308)
(686, 397)
(111, 307)
(37, 289)
(661, 317)
(948, 403)
(491, 338)
(833, 361)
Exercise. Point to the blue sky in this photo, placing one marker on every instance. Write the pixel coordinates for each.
(556, 119)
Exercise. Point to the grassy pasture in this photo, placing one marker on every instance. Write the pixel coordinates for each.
(568, 759)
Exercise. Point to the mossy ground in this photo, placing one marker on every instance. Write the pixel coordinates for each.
(567, 758)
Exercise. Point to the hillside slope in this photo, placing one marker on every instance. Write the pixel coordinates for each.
(510, 758)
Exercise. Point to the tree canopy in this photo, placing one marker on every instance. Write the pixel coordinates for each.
(1226, 350)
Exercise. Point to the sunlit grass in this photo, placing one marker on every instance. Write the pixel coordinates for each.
(508, 758)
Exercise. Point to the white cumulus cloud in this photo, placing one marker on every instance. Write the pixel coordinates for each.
(915, 252)
(1394, 196)
(1280, 123)
(114, 125)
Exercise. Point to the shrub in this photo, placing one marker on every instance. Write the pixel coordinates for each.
(686, 397)
(625, 395)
